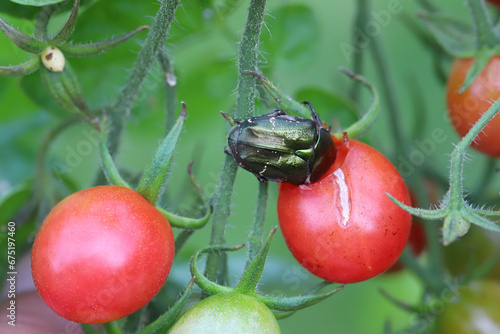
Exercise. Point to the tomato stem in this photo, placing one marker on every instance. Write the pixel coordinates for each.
(120, 109)
(362, 9)
(167, 319)
(245, 106)
(112, 328)
(365, 123)
(256, 235)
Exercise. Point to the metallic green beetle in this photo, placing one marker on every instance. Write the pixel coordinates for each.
(282, 148)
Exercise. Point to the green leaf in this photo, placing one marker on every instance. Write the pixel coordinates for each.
(14, 200)
(166, 320)
(251, 277)
(92, 49)
(287, 304)
(294, 35)
(37, 3)
(454, 36)
(15, 10)
(154, 175)
(23, 69)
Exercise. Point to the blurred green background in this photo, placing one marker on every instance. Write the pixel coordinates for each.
(303, 44)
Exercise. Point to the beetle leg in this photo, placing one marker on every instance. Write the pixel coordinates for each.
(275, 113)
(313, 113)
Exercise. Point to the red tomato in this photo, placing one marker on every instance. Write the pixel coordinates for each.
(101, 254)
(496, 2)
(466, 108)
(343, 228)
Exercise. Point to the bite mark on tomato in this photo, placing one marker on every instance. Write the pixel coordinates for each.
(345, 204)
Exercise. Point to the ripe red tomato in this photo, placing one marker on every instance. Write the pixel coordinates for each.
(475, 310)
(101, 254)
(466, 108)
(227, 313)
(496, 2)
(343, 228)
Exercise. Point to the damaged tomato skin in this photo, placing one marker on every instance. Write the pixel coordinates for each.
(343, 228)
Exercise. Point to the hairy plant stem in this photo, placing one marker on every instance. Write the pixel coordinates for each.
(119, 111)
(245, 105)
(458, 155)
(257, 233)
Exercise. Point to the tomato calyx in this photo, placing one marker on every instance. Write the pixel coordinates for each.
(249, 281)
(479, 41)
(154, 176)
(457, 214)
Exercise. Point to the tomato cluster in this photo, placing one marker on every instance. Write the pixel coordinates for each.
(343, 228)
(101, 254)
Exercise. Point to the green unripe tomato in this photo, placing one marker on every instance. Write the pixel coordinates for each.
(475, 311)
(282, 148)
(227, 313)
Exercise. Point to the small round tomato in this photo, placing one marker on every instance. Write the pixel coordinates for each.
(475, 310)
(101, 254)
(465, 109)
(343, 228)
(227, 313)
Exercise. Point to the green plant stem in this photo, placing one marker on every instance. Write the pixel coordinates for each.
(257, 233)
(120, 110)
(42, 21)
(112, 328)
(181, 239)
(458, 155)
(245, 105)
(221, 202)
(389, 90)
(362, 7)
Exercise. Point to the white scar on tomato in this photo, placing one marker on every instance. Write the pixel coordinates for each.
(344, 195)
